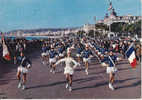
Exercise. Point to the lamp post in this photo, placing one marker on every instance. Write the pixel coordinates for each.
(95, 25)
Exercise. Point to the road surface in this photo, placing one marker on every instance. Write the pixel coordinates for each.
(42, 84)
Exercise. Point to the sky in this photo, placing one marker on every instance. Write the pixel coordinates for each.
(33, 14)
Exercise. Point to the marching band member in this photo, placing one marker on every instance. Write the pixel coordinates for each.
(111, 68)
(52, 59)
(43, 54)
(103, 60)
(69, 69)
(61, 50)
(25, 64)
(87, 54)
(79, 50)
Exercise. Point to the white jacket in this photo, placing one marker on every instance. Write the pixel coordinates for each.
(69, 69)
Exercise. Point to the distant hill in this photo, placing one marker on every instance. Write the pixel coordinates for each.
(41, 30)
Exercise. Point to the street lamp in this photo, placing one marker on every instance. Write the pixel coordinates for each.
(95, 26)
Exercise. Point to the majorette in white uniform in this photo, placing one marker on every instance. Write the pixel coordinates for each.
(69, 68)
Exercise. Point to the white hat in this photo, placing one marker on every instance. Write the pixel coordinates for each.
(99, 53)
(86, 45)
(52, 46)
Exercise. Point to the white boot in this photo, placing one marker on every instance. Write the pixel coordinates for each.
(70, 89)
(67, 85)
(19, 85)
(51, 70)
(86, 71)
(43, 63)
(24, 87)
(111, 87)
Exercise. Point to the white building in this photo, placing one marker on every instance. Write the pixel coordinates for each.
(88, 27)
(113, 18)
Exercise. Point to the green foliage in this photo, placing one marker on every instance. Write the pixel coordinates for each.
(133, 28)
(80, 33)
(102, 26)
(91, 33)
(97, 34)
(117, 27)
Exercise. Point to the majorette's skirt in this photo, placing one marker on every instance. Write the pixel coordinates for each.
(52, 60)
(86, 59)
(111, 70)
(22, 69)
(68, 70)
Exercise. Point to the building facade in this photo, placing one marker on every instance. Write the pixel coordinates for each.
(114, 18)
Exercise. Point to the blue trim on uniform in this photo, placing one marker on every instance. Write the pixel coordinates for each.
(52, 54)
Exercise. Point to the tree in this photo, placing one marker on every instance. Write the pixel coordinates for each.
(97, 34)
(118, 27)
(91, 33)
(121, 27)
(80, 33)
(102, 26)
(137, 28)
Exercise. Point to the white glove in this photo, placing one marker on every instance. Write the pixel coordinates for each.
(29, 66)
(79, 64)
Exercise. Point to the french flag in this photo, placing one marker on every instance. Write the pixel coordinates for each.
(6, 54)
(110, 6)
(130, 53)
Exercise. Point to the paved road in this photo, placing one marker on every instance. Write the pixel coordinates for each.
(43, 84)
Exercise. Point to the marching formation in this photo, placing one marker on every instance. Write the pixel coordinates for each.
(78, 52)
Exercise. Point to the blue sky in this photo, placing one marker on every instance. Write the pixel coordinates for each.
(30, 14)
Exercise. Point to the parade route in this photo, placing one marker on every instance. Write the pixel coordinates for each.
(41, 84)
(75, 49)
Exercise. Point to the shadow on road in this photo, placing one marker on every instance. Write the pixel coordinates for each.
(130, 85)
(90, 68)
(93, 86)
(121, 69)
(79, 81)
(3, 96)
(120, 63)
(48, 85)
(82, 80)
(5, 81)
(106, 83)
(122, 81)
(97, 72)
(5, 69)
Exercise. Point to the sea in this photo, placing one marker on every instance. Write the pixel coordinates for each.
(32, 37)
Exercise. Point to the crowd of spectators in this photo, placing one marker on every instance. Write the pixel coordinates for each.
(17, 45)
